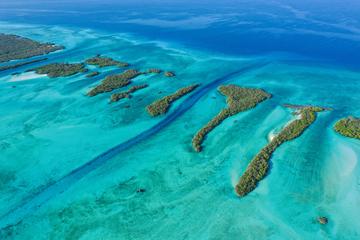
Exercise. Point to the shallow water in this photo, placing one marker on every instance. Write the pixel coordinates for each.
(50, 127)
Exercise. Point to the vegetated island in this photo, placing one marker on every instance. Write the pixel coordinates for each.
(259, 165)
(297, 106)
(13, 47)
(92, 74)
(238, 99)
(323, 220)
(100, 61)
(154, 70)
(13, 66)
(113, 82)
(54, 70)
(348, 127)
(169, 74)
(126, 94)
(161, 106)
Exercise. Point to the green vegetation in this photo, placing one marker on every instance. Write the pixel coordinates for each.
(105, 62)
(162, 105)
(92, 74)
(14, 47)
(238, 100)
(154, 70)
(323, 220)
(13, 66)
(114, 81)
(54, 70)
(127, 94)
(259, 165)
(296, 106)
(169, 74)
(349, 127)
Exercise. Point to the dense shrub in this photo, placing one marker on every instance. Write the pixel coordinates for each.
(238, 99)
(349, 127)
(13, 66)
(162, 105)
(169, 74)
(114, 81)
(15, 47)
(258, 167)
(61, 69)
(126, 94)
(105, 62)
(92, 74)
(154, 70)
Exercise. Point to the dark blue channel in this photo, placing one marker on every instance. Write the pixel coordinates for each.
(34, 201)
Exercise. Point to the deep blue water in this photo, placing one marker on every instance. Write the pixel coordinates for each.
(324, 30)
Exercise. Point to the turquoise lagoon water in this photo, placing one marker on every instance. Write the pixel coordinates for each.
(49, 128)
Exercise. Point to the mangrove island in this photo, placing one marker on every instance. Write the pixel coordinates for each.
(92, 74)
(13, 47)
(259, 165)
(238, 99)
(13, 66)
(169, 74)
(126, 94)
(113, 82)
(100, 61)
(162, 105)
(54, 70)
(154, 70)
(348, 127)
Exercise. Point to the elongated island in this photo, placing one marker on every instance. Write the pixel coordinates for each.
(259, 165)
(238, 99)
(162, 105)
(54, 70)
(127, 94)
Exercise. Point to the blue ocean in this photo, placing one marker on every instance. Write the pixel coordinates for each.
(79, 167)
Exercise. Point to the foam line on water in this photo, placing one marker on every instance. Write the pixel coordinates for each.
(34, 201)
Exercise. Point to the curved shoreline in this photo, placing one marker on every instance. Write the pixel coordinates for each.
(34, 201)
(238, 99)
(50, 58)
(348, 127)
(259, 166)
